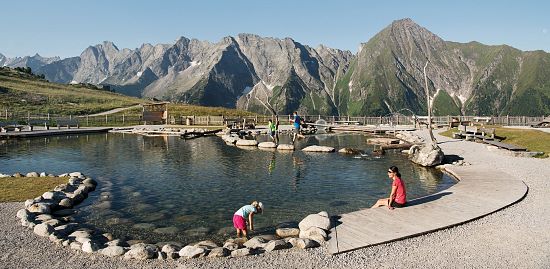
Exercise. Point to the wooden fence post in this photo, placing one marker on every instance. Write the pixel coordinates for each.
(88, 120)
(122, 118)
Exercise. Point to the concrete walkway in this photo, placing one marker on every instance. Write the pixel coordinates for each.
(480, 191)
(52, 132)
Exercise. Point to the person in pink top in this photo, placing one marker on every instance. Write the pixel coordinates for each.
(398, 195)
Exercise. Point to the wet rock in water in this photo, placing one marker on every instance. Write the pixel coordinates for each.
(75, 174)
(255, 242)
(319, 220)
(43, 229)
(267, 145)
(144, 226)
(315, 148)
(113, 251)
(226, 231)
(241, 252)
(219, 252)
(276, 245)
(245, 142)
(285, 147)
(115, 221)
(189, 252)
(166, 230)
(287, 232)
(172, 251)
(197, 231)
(103, 205)
(154, 217)
(349, 151)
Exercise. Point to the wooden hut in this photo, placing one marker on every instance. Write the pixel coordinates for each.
(155, 113)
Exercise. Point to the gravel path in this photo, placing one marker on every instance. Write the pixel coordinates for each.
(515, 237)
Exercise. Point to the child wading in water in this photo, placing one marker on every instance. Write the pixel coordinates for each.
(244, 213)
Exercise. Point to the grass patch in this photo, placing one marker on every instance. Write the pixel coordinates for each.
(17, 189)
(533, 140)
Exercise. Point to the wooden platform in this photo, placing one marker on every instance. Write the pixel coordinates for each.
(480, 191)
(52, 132)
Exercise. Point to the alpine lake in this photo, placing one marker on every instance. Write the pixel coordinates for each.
(167, 189)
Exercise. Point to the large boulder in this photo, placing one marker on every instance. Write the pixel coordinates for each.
(171, 251)
(54, 195)
(89, 246)
(319, 220)
(43, 229)
(314, 233)
(206, 244)
(315, 148)
(349, 151)
(40, 208)
(141, 252)
(189, 252)
(303, 243)
(255, 242)
(287, 232)
(113, 251)
(277, 244)
(32, 174)
(219, 252)
(428, 155)
(241, 252)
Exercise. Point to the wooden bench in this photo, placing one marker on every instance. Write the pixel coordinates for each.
(10, 126)
(505, 146)
(33, 123)
(67, 123)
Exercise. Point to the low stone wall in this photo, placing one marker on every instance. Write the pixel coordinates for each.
(49, 215)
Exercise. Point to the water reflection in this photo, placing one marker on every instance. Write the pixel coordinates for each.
(169, 189)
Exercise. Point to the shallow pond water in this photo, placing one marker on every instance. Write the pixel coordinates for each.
(170, 189)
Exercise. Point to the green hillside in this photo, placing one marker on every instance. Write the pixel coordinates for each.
(22, 91)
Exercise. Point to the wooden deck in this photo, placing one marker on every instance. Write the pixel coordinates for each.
(479, 192)
(52, 132)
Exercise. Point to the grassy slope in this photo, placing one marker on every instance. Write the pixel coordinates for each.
(533, 140)
(26, 93)
(15, 189)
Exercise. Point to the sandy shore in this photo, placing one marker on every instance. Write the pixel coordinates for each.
(515, 237)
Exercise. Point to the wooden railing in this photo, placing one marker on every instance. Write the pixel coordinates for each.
(121, 119)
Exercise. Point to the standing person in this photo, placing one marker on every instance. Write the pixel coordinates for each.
(296, 122)
(244, 213)
(272, 131)
(398, 195)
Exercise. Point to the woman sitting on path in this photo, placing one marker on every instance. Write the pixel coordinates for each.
(398, 195)
(244, 213)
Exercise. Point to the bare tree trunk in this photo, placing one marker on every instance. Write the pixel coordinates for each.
(434, 141)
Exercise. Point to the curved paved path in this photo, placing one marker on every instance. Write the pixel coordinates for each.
(479, 192)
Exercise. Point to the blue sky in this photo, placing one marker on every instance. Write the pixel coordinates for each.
(66, 27)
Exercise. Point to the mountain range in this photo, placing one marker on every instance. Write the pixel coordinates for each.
(270, 75)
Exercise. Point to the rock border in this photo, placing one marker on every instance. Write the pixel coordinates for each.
(49, 215)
